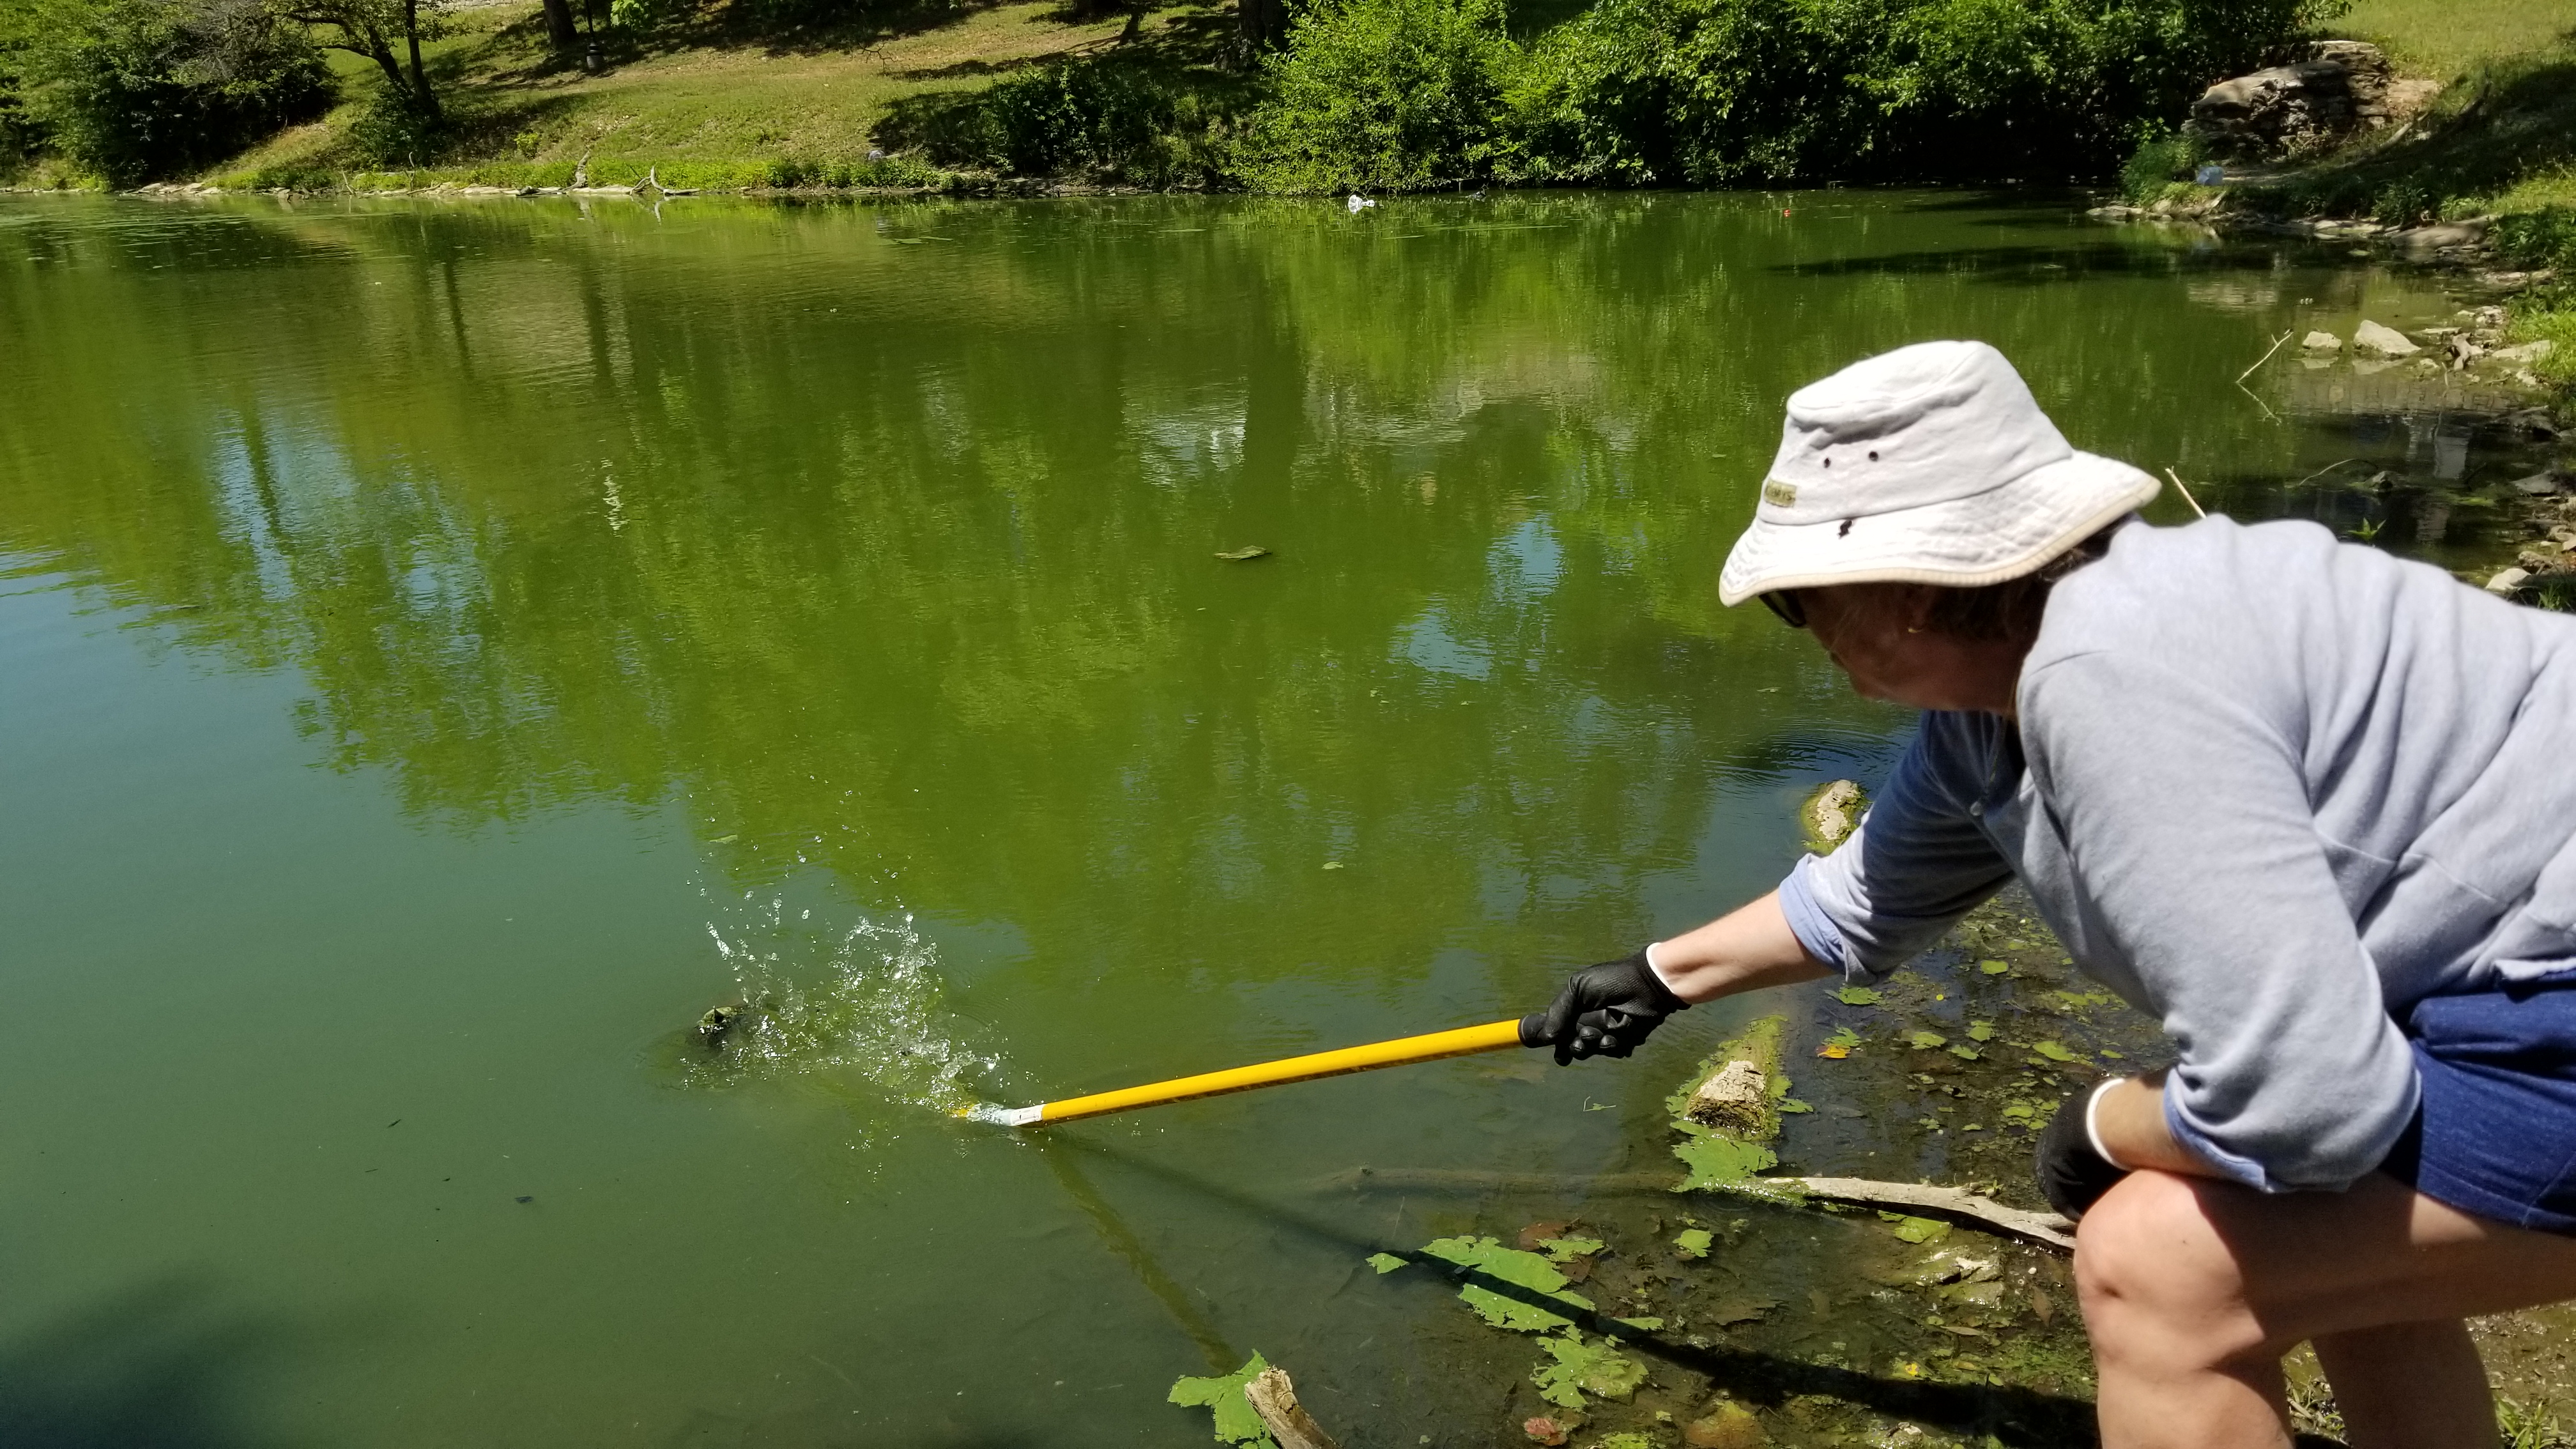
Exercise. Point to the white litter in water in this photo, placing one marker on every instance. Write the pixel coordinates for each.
(1359, 203)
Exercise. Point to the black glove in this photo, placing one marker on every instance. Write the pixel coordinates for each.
(2072, 1176)
(1603, 1011)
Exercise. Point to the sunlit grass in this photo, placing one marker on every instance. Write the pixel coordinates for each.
(2442, 38)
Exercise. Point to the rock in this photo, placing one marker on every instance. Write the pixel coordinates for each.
(2386, 341)
(2505, 583)
(2522, 352)
(1727, 1425)
(1834, 812)
(2322, 342)
(2538, 485)
(2425, 240)
(1735, 1095)
(2341, 87)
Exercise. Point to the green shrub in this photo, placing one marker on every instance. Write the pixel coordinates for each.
(140, 89)
(394, 130)
(1108, 117)
(1386, 95)
(2159, 162)
(1718, 92)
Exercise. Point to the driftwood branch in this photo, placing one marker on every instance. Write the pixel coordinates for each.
(1274, 1398)
(1922, 1198)
(2046, 1229)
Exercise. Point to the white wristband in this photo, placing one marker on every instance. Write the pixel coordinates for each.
(2093, 1122)
(1658, 970)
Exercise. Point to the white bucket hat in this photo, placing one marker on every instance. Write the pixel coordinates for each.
(1931, 464)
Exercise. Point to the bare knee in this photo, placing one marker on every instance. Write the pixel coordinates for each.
(2157, 1283)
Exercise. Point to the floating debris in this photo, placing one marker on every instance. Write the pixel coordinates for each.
(1245, 554)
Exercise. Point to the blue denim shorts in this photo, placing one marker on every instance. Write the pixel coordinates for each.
(2495, 1134)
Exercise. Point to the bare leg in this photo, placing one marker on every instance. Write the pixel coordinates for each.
(2410, 1386)
(2194, 1289)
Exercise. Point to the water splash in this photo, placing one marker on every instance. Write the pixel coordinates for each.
(861, 1005)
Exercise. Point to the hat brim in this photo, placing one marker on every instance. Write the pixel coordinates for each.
(2002, 533)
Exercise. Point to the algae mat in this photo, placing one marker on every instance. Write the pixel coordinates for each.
(449, 649)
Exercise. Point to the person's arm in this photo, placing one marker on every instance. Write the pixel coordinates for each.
(1746, 949)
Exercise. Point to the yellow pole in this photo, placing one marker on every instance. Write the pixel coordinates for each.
(1400, 1052)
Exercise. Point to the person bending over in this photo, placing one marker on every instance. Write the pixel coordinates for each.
(2307, 804)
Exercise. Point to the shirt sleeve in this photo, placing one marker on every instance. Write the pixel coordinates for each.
(2186, 817)
(1918, 862)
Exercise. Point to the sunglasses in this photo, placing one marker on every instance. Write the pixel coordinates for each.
(1784, 602)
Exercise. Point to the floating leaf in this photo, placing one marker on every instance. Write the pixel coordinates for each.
(1581, 1368)
(1841, 1044)
(1966, 1053)
(1332, 865)
(2017, 1110)
(2054, 1051)
(1993, 968)
(1924, 1041)
(1626, 1439)
(1719, 1161)
(1981, 1031)
(1918, 1230)
(1856, 996)
(2115, 1056)
(1511, 1265)
(1245, 554)
(1236, 1423)
(1695, 1243)
(1793, 1106)
(724, 840)
(1386, 1262)
(1642, 1325)
(1566, 1250)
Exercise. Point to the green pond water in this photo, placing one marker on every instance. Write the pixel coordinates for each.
(444, 649)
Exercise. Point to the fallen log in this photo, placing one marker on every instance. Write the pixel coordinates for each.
(1463, 1180)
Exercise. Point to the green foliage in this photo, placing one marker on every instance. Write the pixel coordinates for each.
(1112, 117)
(1694, 1242)
(395, 130)
(1917, 1230)
(1385, 1262)
(2160, 161)
(1719, 92)
(1720, 1162)
(1511, 1265)
(644, 17)
(1236, 1423)
(1575, 1368)
(1385, 95)
(136, 90)
(1856, 996)
(891, 172)
(1566, 1250)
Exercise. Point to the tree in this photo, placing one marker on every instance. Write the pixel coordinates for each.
(370, 28)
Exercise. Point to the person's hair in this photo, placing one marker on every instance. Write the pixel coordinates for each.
(2011, 609)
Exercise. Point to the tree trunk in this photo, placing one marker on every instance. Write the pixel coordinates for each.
(1265, 23)
(421, 95)
(559, 24)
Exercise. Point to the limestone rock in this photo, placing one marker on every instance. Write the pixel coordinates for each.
(2340, 88)
(1735, 1095)
(2538, 485)
(2322, 342)
(2508, 581)
(1834, 812)
(2522, 352)
(2386, 341)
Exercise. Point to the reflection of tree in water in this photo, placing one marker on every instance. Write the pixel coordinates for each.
(916, 572)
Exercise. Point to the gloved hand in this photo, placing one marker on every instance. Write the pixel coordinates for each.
(2072, 1175)
(1603, 1011)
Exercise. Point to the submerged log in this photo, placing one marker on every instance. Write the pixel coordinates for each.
(1274, 1398)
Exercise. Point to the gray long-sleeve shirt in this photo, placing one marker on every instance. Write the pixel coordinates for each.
(2268, 787)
